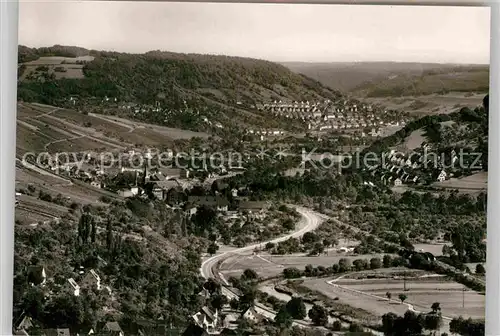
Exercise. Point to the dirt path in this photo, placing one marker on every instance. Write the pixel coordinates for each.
(83, 132)
(62, 140)
(131, 127)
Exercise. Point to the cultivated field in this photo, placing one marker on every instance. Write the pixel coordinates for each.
(469, 184)
(268, 266)
(430, 104)
(435, 249)
(389, 130)
(61, 67)
(32, 210)
(43, 128)
(172, 133)
(415, 139)
(422, 292)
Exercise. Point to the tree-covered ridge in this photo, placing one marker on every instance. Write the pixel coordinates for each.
(432, 127)
(26, 54)
(453, 79)
(230, 87)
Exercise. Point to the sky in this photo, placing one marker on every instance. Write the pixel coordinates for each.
(276, 32)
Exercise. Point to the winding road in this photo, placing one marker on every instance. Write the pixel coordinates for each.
(309, 222)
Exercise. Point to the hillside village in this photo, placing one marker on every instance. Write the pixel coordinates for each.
(423, 167)
(321, 116)
(337, 116)
(146, 256)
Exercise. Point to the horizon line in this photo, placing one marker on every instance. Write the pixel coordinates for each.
(259, 58)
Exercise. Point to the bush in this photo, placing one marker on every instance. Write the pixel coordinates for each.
(375, 263)
(296, 308)
(105, 199)
(354, 327)
(292, 273)
(270, 246)
(337, 326)
(250, 274)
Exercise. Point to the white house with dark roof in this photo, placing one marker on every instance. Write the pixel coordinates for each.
(25, 324)
(207, 319)
(442, 176)
(251, 315)
(112, 328)
(92, 279)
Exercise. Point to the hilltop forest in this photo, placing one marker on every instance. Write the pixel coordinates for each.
(223, 88)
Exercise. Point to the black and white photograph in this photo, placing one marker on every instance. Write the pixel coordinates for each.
(250, 169)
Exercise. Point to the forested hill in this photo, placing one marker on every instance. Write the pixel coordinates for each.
(469, 129)
(231, 86)
(395, 79)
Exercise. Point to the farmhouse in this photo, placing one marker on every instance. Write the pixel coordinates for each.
(25, 324)
(92, 279)
(170, 173)
(112, 329)
(218, 202)
(175, 196)
(158, 192)
(253, 206)
(442, 176)
(206, 319)
(251, 315)
(190, 209)
(126, 193)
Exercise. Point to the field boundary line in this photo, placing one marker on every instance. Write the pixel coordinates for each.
(409, 305)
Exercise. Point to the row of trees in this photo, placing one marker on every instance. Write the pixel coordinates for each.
(344, 265)
(467, 327)
(411, 323)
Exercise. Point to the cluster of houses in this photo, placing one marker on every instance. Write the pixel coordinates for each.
(397, 169)
(209, 321)
(170, 185)
(266, 133)
(136, 109)
(329, 116)
(90, 280)
(206, 321)
(221, 204)
(105, 329)
(311, 110)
